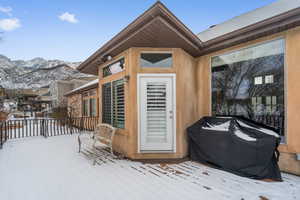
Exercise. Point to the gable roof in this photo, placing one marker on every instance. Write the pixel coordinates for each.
(156, 27)
(159, 27)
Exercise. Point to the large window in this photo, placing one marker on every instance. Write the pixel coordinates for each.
(113, 103)
(250, 82)
(161, 60)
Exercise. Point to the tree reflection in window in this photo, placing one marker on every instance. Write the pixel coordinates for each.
(250, 82)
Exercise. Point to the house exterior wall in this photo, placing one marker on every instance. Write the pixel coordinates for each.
(74, 103)
(121, 141)
(288, 160)
(194, 97)
(88, 97)
(59, 88)
(126, 140)
(62, 88)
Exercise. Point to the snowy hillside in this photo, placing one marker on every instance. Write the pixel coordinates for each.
(35, 73)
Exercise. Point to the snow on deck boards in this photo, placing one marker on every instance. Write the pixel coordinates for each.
(51, 169)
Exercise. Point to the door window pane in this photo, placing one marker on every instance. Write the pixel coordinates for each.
(241, 84)
(156, 112)
(162, 60)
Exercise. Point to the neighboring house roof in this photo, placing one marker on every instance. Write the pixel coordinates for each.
(249, 18)
(87, 86)
(46, 94)
(159, 27)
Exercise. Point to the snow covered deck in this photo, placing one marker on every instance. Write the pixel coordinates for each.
(51, 169)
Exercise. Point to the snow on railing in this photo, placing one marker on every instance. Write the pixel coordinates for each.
(46, 127)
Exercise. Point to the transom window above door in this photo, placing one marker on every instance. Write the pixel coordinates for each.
(156, 60)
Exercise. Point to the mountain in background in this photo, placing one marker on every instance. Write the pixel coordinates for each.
(35, 73)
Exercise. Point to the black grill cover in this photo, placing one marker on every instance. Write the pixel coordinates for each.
(237, 145)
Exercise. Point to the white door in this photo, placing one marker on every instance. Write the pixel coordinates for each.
(156, 97)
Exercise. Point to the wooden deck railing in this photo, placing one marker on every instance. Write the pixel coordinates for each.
(46, 127)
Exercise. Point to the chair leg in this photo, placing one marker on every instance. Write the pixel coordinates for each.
(79, 145)
(111, 149)
(94, 151)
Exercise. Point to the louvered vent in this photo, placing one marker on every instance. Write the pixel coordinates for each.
(118, 104)
(156, 112)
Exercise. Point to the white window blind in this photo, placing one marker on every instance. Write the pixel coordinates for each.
(156, 112)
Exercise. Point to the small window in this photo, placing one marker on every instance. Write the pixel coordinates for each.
(85, 107)
(269, 79)
(161, 60)
(258, 80)
(93, 107)
(114, 68)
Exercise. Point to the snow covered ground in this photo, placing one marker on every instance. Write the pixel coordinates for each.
(37, 168)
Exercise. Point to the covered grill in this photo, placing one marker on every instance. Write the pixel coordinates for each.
(237, 145)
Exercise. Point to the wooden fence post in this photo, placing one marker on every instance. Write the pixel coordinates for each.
(1, 136)
(81, 124)
(43, 128)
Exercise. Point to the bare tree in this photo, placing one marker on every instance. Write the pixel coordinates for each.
(234, 88)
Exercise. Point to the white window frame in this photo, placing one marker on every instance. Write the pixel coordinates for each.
(269, 79)
(258, 80)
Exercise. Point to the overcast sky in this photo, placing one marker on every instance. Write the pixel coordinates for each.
(72, 30)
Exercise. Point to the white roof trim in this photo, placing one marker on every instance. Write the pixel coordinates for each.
(84, 86)
(249, 18)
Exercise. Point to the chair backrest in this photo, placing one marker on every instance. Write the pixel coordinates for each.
(104, 132)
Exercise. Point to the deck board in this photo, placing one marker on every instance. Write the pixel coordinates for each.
(39, 168)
